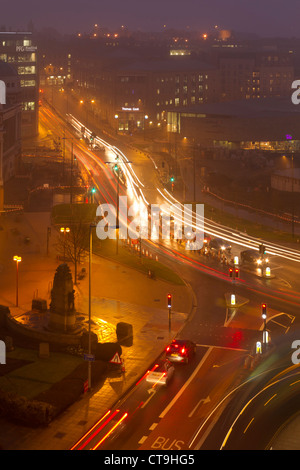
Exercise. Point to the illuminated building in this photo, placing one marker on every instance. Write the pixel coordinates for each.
(18, 49)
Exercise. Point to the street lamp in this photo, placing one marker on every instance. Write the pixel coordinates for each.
(145, 120)
(64, 230)
(17, 259)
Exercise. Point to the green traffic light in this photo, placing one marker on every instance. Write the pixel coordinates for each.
(93, 190)
(172, 179)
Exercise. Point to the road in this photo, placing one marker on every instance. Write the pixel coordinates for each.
(177, 417)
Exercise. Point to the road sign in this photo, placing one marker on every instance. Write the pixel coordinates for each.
(89, 357)
(116, 359)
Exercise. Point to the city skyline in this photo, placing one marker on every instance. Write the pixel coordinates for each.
(267, 18)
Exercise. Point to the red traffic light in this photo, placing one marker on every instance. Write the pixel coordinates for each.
(230, 272)
(169, 297)
(237, 272)
(264, 308)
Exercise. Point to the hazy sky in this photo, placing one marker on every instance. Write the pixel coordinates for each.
(264, 17)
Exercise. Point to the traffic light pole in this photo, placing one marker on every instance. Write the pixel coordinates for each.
(169, 298)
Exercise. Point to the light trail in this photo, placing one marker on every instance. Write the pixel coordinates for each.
(136, 195)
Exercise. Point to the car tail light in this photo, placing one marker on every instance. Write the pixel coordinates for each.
(168, 348)
(183, 351)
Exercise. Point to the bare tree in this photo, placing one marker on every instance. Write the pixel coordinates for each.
(72, 245)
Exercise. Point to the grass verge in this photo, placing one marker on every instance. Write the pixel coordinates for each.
(131, 258)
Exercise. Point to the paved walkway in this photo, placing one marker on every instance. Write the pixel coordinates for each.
(118, 294)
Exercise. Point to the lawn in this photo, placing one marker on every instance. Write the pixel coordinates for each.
(38, 374)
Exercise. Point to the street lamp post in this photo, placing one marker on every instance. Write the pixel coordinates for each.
(90, 304)
(64, 230)
(117, 169)
(17, 259)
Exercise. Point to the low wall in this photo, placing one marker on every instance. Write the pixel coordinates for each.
(14, 327)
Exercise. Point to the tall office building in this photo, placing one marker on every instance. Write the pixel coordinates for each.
(10, 125)
(18, 49)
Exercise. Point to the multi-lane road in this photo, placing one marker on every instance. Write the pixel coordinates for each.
(187, 414)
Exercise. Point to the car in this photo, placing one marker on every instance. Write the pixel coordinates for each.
(180, 350)
(161, 373)
(253, 257)
(219, 244)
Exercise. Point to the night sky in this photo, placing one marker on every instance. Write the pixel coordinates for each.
(263, 17)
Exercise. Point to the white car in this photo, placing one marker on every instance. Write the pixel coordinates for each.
(161, 373)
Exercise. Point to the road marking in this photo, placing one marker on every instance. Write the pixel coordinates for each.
(153, 426)
(151, 392)
(142, 440)
(203, 400)
(178, 395)
(221, 347)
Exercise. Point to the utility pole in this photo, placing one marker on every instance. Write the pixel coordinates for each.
(117, 169)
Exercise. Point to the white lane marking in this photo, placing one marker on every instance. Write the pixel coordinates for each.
(153, 426)
(203, 400)
(165, 411)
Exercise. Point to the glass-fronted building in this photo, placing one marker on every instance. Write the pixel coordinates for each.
(18, 49)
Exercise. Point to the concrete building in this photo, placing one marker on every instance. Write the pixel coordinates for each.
(10, 126)
(18, 49)
(262, 123)
(139, 94)
(286, 180)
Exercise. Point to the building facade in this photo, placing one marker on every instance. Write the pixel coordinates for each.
(139, 95)
(19, 50)
(10, 126)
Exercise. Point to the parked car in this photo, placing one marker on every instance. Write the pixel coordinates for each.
(161, 373)
(180, 350)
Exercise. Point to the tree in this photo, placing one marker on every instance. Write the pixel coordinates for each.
(73, 245)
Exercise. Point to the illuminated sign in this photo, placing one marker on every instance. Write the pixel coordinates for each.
(26, 48)
(2, 92)
(130, 109)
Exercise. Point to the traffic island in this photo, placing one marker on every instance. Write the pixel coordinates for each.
(235, 301)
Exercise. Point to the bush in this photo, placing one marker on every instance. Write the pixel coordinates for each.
(68, 390)
(50, 403)
(25, 411)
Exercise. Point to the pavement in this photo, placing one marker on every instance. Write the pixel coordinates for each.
(118, 294)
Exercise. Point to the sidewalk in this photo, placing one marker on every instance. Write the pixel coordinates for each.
(118, 294)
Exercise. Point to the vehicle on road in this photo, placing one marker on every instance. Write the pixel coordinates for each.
(161, 373)
(180, 351)
(217, 244)
(253, 257)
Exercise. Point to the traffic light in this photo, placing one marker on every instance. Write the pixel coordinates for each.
(93, 190)
(169, 297)
(264, 309)
(230, 272)
(116, 167)
(236, 273)
(262, 250)
(172, 179)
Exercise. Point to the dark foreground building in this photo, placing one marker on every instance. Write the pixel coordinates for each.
(10, 126)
